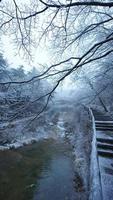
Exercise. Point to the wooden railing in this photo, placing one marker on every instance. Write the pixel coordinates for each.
(95, 178)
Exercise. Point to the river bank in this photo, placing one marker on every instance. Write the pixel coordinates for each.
(72, 124)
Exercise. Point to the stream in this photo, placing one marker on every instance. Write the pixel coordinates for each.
(39, 171)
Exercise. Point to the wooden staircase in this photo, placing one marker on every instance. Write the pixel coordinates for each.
(104, 143)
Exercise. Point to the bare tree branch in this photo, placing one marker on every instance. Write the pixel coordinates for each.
(83, 3)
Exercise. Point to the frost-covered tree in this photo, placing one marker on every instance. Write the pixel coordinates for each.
(79, 32)
(19, 100)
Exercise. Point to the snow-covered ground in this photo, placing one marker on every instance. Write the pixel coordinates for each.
(24, 131)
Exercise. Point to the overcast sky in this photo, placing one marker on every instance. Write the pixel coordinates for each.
(40, 55)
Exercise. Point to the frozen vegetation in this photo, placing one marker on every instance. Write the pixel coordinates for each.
(26, 115)
(73, 42)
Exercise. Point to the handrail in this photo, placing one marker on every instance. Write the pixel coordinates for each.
(95, 178)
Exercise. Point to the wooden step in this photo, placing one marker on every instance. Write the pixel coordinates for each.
(105, 122)
(105, 118)
(104, 128)
(105, 153)
(105, 146)
(104, 125)
(105, 140)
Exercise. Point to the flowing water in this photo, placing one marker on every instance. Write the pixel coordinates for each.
(40, 171)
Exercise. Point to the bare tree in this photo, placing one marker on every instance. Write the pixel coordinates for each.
(80, 32)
